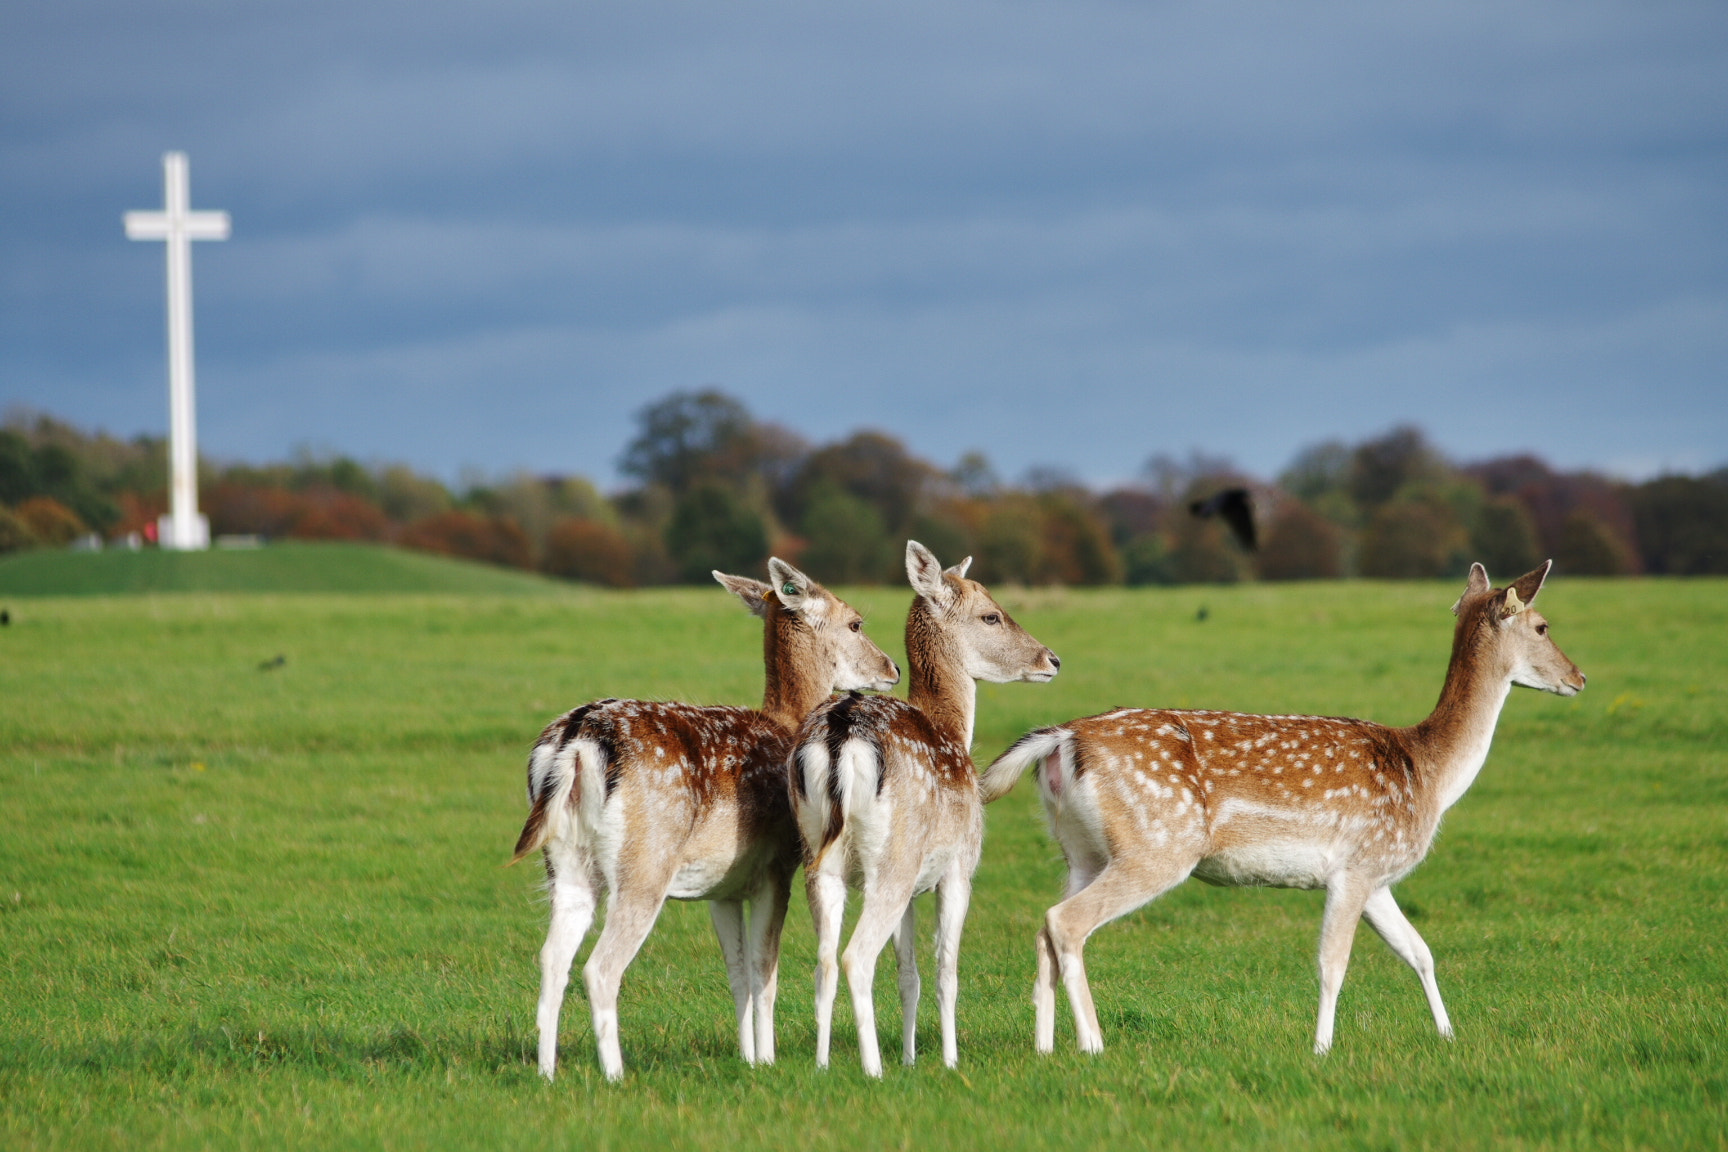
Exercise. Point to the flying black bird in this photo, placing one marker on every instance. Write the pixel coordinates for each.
(1237, 509)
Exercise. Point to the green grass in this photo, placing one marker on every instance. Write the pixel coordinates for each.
(288, 567)
(245, 907)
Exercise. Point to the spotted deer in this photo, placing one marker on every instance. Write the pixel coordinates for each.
(886, 798)
(650, 801)
(1142, 798)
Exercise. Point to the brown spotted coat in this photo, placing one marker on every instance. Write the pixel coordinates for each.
(1140, 799)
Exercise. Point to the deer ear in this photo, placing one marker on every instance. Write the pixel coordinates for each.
(1530, 583)
(795, 591)
(959, 570)
(1477, 585)
(754, 593)
(924, 573)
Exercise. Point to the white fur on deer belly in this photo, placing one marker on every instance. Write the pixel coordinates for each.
(1274, 864)
(697, 879)
(936, 865)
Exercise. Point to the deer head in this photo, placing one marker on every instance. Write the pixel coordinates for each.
(958, 621)
(1509, 633)
(814, 638)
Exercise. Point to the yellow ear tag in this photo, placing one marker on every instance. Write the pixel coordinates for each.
(1513, 604)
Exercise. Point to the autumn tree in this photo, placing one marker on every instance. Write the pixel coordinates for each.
(491, 539)
(1414, 539)
(50, 522)
(593, 551)
(1301, 544)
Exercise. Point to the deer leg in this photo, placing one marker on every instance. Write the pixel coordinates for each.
(953, 896)
(1401, 936)
(767, 917)
(876, 921)
(827, 893)
(1344, 902)
(1114, 892)
(1081, 872)
(572, 914)
(906, 958)
(1044, 993)
(630, 916)
(728, 917)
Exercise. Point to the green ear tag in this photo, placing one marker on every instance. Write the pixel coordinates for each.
(788, 589)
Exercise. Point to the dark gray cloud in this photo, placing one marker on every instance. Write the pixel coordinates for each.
(1071, 233)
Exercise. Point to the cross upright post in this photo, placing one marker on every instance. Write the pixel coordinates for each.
(183, 528)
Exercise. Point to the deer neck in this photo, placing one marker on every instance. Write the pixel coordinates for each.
(1452, 744)
(792, 684)
(939, 685)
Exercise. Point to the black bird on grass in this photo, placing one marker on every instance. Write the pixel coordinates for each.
(272, 665)
(1234, 505)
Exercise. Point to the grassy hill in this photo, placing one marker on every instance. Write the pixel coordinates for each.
(287, 567)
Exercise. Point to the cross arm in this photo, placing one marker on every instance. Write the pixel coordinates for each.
(192, 225)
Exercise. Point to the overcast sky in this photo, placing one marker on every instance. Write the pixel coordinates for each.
(1070, 234)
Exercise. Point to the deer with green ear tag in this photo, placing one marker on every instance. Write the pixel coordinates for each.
(649, 801)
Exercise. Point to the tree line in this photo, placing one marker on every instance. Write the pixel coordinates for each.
(713, 487)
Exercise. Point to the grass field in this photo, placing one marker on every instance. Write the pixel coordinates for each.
(293, 566)
(250, 906)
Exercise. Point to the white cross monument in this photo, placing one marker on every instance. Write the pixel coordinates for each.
(183, 527)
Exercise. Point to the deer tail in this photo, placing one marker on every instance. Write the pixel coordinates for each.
(836, 768)
(1005, 770)
(554, 769)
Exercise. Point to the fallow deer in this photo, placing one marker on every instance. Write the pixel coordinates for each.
(1142, 798)
(650, 801)
(886, 797)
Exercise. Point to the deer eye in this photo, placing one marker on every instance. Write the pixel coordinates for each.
(1541, 629)
(992, 618)
(857, 625)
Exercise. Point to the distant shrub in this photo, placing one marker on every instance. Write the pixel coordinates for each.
(1683, 524)
(1201, 553)
(318, 513)
(1010, 544)
(1588, 547)
(1503, 537)
(1076, 545)
(1413, 540)
(588, 550)
(51, 522)
(943, 533)
(714, 529)
(336, 515)
(846, 542)
(251, 509)
(1146, 560)
(492, 539)
(1301, 544)
(139, 513)
(15, 535)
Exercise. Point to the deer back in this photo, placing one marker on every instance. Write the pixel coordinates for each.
(1275, 800)
(879, 771)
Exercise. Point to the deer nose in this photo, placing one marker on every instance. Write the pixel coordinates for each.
(1055, 661)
